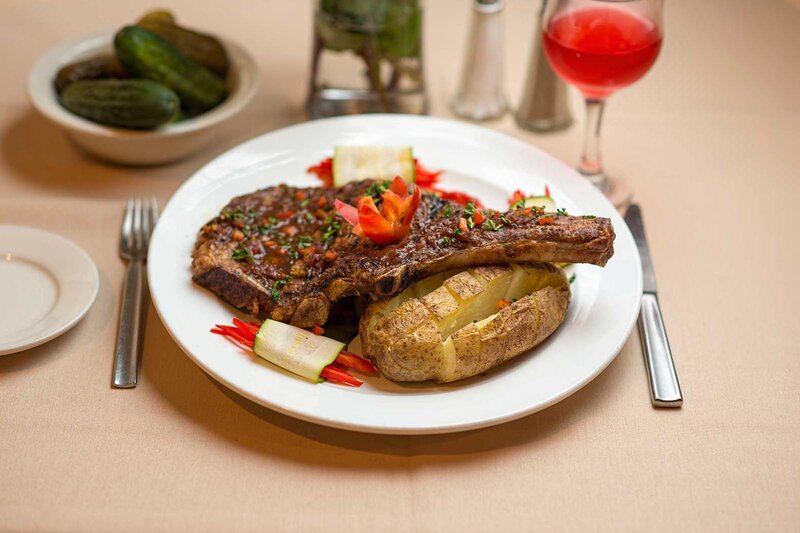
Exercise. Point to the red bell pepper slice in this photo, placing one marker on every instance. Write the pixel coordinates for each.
(351, 360)
(340, 376)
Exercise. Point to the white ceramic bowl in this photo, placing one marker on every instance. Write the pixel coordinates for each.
(131, 147)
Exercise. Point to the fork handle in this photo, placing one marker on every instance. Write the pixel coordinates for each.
(131, 327)
(665, 390)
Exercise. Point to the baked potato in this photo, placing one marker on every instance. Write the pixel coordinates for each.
(457, 324)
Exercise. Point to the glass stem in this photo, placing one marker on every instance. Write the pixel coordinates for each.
(591, 160)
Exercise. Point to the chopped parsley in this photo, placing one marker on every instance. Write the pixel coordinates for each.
(330, 231)
(275, 293)
(272, 220)
(519, 204)
(304, 241)
(588, 216)
(241, 253)
(231, 214)
(304, 203)
(447, 210)
(561, 211)
(293, 254)
(445, 241)
(310, 217)
(378, 188)
(252, 213)
(470, 223)
(457, 231)
(469, 210)
(505, 220)
(491, 225)
(572, 278)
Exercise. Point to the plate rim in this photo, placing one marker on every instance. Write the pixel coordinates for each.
(621, 229)
(84, 309)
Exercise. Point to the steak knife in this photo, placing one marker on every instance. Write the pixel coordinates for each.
(665, 390)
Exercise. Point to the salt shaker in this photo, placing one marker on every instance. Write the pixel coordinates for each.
(480, 94)
(544, 101)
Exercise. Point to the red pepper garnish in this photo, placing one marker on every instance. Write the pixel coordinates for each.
(286, 215)
(243, 335)
(503, 303)
(337, 375)
(424, 177)
(324, 171)
(289, 230)
(547, 191)
(545, 221)
(516, 197)
(478, 217)
(299, 196)
(392, 222)
(351, 360)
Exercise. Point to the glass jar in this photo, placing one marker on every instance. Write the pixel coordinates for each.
(367, 58)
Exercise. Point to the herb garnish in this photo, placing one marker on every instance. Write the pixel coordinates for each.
(304, 241)
(304, 203)
(378, 188)
(242, 253)
(277, 286)
(293, 254)
(445, 241)
(236, 212)
(469, 210)
(330, 231)
(505, 220)
(491, 225)
(572, 278)
(561, 211)
(310, 217)
(470, 223)
(272, 220)
(447, 210)
(588, 216)
(519, 204)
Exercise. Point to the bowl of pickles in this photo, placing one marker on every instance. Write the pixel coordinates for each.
(148, 93)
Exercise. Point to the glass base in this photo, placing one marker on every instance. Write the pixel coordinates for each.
(331, 102)
(618, 192)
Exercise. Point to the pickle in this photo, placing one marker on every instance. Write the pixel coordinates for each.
(140, 104)
(105, 66)
(199, 47)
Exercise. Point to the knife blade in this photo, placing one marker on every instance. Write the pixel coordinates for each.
(665, 389)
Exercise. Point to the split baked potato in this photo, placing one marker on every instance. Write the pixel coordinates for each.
(457, 324)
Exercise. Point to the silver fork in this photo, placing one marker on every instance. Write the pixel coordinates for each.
(140, 219)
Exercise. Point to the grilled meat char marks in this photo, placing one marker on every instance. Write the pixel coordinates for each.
(284, 252)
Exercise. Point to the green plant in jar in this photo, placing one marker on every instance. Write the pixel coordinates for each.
(382, 36)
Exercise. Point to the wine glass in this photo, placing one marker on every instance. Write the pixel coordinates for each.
(600, 46)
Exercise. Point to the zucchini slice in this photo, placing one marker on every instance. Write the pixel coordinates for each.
(541, 201)
(294, 349)
(356, 163)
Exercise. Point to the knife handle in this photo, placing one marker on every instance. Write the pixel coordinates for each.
(665, 390)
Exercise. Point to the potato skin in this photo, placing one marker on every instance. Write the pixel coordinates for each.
(406, 343)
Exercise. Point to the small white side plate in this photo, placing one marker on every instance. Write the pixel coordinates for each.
(47, 284)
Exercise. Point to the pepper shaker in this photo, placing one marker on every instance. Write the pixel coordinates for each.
(544, 100)
(480, 94)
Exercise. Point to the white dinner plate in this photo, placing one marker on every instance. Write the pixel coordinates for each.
(476, 160)
(47, 284)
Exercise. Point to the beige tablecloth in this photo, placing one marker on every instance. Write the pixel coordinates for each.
(711, 141)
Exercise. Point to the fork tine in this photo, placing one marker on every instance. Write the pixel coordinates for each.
(151, 217)
(127, 226)
(146, 227)
(137, 224)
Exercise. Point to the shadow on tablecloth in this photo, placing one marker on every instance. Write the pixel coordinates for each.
(249, 425)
